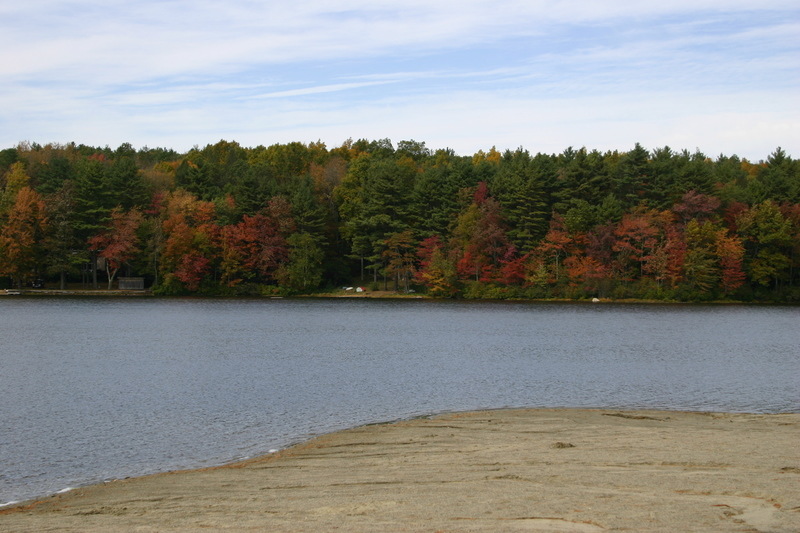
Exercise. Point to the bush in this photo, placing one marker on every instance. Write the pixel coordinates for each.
(170, 287)
(476, 290)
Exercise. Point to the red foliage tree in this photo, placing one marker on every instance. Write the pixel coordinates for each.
(192, 240)
(257, 246)
(637, 237)
(694, 205)
(481, 238)
(119, 243)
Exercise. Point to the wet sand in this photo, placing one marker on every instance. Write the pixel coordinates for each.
(506, 470)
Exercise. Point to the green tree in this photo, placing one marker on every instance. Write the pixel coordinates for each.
(767, 237)
(523, 197)
(286, 161)
(201, 179)
(254, 187)
(694, 173)
(373, 203)
(94, 198)
(400, 255)
(729, 172)
(64, 252)
(14, 180)
(701, 272)
(582, 216)
(434, 200)
(126, 184)
(51, 175)
(779, 179)
(303, 271)
(631, 180)
(8, 157)
(581, 175)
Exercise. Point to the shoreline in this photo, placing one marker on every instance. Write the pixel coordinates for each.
(371, 295)
(75, 292)
(505, 469)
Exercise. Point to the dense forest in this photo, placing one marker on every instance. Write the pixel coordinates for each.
(298, 218)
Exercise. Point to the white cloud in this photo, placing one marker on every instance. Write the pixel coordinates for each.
(321, 89)
(464, 74)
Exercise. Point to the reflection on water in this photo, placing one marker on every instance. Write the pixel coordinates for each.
(99, 389)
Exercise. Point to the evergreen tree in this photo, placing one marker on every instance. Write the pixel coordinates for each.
(631, 181)
(434, 200)
(303, 271)
(125, 181)
(780, 178)
(523, 198)
(584, 176)
(64, 252)
(94, 197)
(52, 174)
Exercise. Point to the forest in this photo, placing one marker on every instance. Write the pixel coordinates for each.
(297, 218)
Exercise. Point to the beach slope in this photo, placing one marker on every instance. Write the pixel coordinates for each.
(506, 470)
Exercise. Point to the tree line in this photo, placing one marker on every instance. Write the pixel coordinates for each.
(297, 218)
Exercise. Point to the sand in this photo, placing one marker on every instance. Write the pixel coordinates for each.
(506, 470)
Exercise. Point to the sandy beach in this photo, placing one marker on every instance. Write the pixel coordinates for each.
(506, 470)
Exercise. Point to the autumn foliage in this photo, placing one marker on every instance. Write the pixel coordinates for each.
(225, 219)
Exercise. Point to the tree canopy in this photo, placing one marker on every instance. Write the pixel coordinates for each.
(227, 219)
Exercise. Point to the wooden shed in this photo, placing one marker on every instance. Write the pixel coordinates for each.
(131, 284)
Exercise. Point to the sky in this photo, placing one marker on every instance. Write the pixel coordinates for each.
(719, 76)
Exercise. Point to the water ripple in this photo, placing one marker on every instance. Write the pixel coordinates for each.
(102, 389)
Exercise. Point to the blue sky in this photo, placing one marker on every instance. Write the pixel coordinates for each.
(718, 76)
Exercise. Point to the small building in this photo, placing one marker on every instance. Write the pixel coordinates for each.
(131, 284)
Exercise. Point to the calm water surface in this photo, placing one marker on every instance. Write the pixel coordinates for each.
(97, 389)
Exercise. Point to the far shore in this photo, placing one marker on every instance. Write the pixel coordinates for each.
(74, 292)
(574, 470)
(368, 294)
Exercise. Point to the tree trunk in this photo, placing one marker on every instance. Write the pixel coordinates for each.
(94, 270)
(111, 275)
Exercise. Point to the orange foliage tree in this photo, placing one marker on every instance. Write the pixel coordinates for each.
(21, 236)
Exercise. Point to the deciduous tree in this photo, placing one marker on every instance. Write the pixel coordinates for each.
(437, 272)
(21, 236)
(119, 243)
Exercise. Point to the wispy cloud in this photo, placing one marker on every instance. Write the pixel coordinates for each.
(320, 89)
(465, 74)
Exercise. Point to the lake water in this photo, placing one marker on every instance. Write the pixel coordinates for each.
(97, 389)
